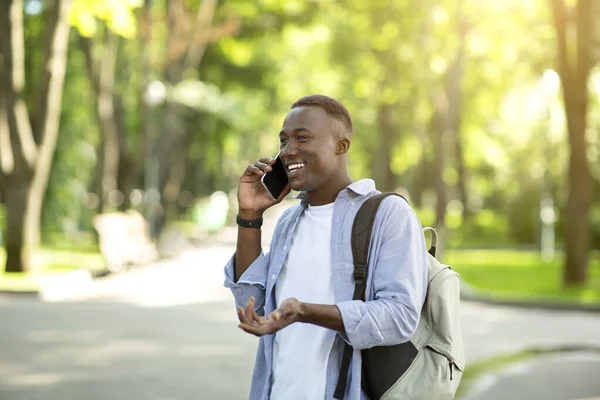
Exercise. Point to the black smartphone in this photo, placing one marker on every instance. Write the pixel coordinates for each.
(275, 180)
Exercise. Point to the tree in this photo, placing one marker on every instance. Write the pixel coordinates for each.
(574, 66)
(28, 132)
(447, 103)
(103, 49)
(101, 74)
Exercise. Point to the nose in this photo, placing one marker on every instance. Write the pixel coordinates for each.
(288, 151)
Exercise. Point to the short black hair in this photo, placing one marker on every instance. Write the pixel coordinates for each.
(331, 106)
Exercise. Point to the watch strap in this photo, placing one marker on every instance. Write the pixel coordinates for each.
(249, 223)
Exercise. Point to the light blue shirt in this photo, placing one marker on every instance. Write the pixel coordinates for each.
(396, 284)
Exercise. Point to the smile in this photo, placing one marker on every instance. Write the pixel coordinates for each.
(293, 169)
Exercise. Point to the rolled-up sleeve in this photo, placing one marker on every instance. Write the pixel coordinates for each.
(399, 284)
(250, 284)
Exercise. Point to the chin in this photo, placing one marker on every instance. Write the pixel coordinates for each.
(300, 186)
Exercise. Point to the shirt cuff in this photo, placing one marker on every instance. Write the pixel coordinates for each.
(256, 274)
(355, 321)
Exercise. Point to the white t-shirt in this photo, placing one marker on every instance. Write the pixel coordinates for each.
(301, 351)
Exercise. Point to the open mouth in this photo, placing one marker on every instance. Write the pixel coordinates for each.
(293, 169)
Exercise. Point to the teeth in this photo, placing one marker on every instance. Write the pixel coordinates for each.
(295, 166)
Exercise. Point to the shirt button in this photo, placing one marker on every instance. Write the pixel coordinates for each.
(285, 248)
(273, 276)
(352, 203)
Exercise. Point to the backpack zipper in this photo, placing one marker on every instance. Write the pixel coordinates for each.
(449, 358)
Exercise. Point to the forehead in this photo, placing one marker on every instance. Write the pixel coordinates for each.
(313, 118)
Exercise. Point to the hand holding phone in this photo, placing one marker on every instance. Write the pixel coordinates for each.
(253, 196)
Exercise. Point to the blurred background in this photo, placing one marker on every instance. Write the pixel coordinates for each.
(125, 125)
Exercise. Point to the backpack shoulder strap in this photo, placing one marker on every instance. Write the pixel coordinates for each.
(362, 229)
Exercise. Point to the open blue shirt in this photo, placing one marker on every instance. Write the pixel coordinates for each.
(396, 284)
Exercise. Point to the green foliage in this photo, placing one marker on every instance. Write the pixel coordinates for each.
(369, 55)
(118, 15)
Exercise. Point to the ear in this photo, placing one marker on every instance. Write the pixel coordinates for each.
(343, 145)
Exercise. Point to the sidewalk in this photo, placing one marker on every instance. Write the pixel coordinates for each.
(196, 276)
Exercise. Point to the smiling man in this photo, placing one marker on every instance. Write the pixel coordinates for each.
(298, 297)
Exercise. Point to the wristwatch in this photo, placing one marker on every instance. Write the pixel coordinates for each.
(249, 223)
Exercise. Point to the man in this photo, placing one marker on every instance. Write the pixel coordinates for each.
(298, 297)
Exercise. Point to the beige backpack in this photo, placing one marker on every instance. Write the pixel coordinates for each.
(430, 365)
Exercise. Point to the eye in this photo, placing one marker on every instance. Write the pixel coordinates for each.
(301, 137)
(283, 141)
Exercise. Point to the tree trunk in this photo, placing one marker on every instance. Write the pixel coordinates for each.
(440, 136)
(462, 177)
(579, 198)
(17, 242)
(184, 53)
(385, 177)
(177, 173)
(102, 75)
(26, 163)
(129, 164)
(574, 73)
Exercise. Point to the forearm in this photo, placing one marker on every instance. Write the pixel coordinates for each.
(248, 246)
(382, 322)
(324, 315)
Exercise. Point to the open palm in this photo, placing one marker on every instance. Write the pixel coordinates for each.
(252, 323)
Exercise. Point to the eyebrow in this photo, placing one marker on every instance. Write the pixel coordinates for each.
(296, 130)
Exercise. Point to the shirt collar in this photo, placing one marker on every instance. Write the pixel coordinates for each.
(361, 187)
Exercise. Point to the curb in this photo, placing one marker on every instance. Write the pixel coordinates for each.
(20, 293)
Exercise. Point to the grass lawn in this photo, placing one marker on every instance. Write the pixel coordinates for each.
(51, 262)
(522, 274)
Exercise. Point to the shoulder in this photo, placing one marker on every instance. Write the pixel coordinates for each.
(395, 206)
(396, 216)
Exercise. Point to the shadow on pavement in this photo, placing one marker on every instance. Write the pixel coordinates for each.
(108, 350)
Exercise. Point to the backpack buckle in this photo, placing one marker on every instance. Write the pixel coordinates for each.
(360, 273)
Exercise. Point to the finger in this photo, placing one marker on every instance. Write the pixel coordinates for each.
(263, 166)
(267, 160)
(276, 315)
(242, 315)
(255, 316)
(253, 170)
(250, 309)
(252, 329)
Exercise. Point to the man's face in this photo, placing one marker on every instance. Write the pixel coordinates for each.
(308, 148)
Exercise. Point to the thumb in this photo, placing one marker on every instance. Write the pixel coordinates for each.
(276, 315)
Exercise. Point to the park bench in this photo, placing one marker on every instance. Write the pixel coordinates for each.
(124, 240)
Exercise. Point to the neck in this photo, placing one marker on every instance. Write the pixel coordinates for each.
(328, 193)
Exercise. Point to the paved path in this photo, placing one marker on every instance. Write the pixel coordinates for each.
(169, 332)
(548, 377)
